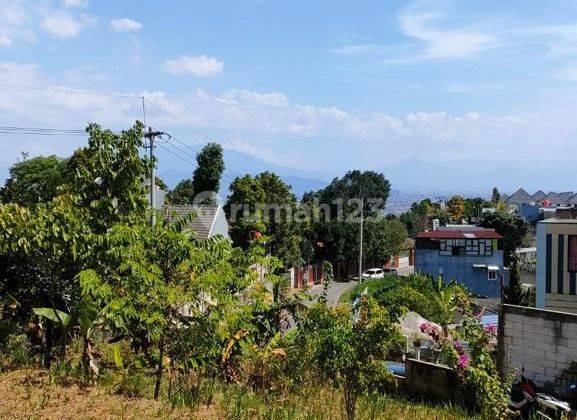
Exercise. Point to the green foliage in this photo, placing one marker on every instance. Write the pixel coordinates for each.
(265, 204)
(339, 200)
(182, 194)
(53, 315)
(19, 350)
(34, 181)
(431, 298)
(456, 208)
(207, 175)
(109, 177)
(514, 294)
(478, 370)
(512, 227)
(495, 195)
(349, 353)
(384, 239)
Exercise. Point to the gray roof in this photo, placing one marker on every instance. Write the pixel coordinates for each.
(554, 198)
(572, 200)
(201, 221)
(538, 196)
(519, 197)
(566, 195)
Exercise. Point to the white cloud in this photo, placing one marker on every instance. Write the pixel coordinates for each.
(439, 42)
(200, 66)
(75, 3)
(357, 49)
(271, 127)
(5, 41)
(248, 97)
(64, 25)
(125, 25)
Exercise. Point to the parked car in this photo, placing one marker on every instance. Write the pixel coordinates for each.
(373, 273)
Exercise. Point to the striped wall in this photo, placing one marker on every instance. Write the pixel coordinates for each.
(560, 288)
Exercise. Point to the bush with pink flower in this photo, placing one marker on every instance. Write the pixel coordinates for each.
(476, 366)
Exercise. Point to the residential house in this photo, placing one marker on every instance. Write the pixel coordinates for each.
(519, 197)
(556, 278)
(205, 220)
(470, 255)
(538, 196)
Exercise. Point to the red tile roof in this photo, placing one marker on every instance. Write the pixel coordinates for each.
(460, 234)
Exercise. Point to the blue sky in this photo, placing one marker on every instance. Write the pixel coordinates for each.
(451, 95)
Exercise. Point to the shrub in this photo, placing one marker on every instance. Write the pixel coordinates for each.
(19, 350)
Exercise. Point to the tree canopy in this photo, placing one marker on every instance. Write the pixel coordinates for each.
(210, 167)
(34, 180)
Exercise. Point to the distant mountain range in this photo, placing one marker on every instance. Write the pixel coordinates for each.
(238, 164)
(301, 180)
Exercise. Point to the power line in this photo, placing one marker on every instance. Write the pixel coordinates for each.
(40, 131)
(122, 95)
(71, 91)
(175, 154)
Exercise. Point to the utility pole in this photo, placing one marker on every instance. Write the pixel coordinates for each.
(151, 135)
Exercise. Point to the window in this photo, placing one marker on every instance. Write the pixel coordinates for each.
(492, 274)
(572, 253)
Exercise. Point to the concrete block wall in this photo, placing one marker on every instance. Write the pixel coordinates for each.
(542, 342)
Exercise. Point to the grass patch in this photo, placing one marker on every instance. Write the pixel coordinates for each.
(28, 393)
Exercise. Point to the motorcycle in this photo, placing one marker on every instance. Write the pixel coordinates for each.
(529, 400)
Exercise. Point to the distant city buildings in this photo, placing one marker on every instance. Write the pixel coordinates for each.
(470, 255)
(540, 206)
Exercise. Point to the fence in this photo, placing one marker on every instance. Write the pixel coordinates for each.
(306, 275)
(540, 343)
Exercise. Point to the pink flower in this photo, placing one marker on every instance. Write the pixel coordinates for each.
(463, 362)
(424, 326)
(491, 329)
(457, 345)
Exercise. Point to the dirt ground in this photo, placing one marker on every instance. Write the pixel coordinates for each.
(27, 394)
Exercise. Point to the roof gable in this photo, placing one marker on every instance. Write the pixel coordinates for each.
(519, 197)
(572, 199)
(201, 221)
(538, 196)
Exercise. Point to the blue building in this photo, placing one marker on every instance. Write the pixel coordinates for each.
(470, 255)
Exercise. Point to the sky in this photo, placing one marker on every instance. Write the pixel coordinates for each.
(451, 95)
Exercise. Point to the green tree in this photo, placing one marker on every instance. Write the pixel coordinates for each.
(109, 174)
(182, 194)
(33, 181)
(265, 204)
(339, 231)
(456, 208)
(242, 209)
(384, 239)
(351, 354)
(512, 227)
(417, 219)
(495, 195)
(43, 248)
(210, 167)
(514, 293)
(153, 281)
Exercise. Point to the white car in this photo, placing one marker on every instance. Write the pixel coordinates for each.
(373, 273)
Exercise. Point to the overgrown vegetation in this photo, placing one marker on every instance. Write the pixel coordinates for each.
(106, 301)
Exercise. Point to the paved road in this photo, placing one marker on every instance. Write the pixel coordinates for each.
(335, 290)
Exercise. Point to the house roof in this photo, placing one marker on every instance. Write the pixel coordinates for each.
(572, 200)
(201, 221)
(538, 196)
(460, 234)
(519, 197)
(566, 195)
